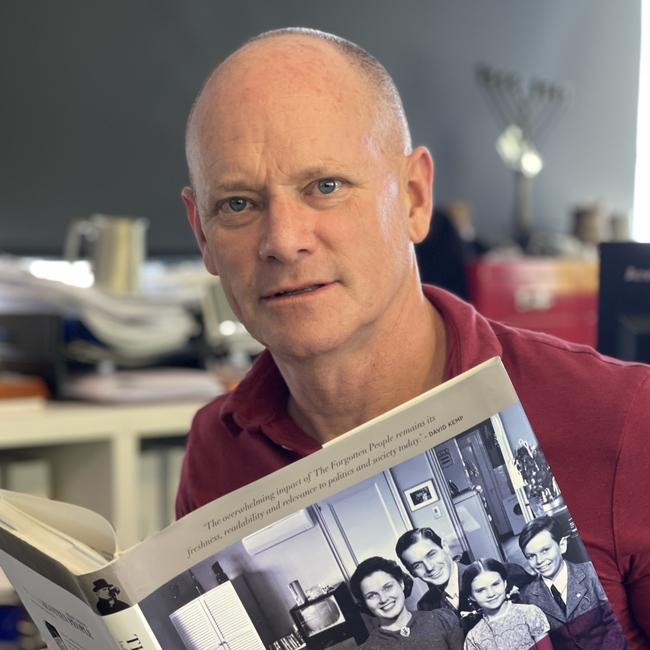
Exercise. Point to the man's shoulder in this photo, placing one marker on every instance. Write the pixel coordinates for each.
(566, 387)
(430, 600)
(536, 353)
(208, 419)
(533, 359)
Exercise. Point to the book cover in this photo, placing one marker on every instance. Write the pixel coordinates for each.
(439, 522)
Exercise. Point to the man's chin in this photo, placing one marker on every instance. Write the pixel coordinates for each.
(299, 346)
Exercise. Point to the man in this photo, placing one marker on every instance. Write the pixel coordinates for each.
(426, 556)
(306, 198)
(107, 602)
(569, 594)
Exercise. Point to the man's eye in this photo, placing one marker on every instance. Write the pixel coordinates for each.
(328, 185)
(235, 204)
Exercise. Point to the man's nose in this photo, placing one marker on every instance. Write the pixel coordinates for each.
(288, 230)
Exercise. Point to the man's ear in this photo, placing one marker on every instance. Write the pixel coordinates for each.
(419, 189)
(563, 545)
(193, 218)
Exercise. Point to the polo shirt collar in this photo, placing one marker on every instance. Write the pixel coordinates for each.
(259, 403)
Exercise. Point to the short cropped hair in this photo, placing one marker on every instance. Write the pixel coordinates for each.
(373, 565)
(476, 568)
(536, 526)
(414, 536)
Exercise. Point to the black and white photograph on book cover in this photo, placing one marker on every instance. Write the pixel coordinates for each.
(107, 597)
(467, 545)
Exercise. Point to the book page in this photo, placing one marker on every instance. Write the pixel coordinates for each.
(63, 619)
(83, 525)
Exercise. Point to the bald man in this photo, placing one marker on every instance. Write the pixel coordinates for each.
(306, 199)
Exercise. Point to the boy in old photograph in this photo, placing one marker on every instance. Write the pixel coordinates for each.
(569, 594)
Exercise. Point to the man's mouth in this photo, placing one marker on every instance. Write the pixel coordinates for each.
(434, 575)
(293, 292)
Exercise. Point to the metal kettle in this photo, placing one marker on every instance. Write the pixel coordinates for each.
(117, 246)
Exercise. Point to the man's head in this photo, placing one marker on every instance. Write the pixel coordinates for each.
(104, 593)
(425, 555)
(543, 546)
(102, 589)
(306, 197)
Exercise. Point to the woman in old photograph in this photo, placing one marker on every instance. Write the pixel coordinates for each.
(381, 589)
(504, 625)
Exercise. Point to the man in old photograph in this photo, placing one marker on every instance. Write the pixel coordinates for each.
(426, 556)
(107, 600)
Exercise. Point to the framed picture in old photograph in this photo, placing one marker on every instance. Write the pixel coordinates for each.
(421, 495)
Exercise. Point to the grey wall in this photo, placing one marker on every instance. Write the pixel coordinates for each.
(94, 97)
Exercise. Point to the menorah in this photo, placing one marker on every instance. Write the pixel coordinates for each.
(526, 109)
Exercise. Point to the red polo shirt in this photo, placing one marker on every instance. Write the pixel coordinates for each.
(589, 413)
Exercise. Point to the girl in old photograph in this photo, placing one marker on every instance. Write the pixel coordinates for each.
(504, 625)
(381, 588)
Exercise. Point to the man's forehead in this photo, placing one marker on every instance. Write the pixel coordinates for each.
(293, 72)
(424, 545)
(242, 124)
(293, 54)
(276, 66)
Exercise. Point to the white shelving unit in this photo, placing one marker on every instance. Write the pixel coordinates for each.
(94, 451)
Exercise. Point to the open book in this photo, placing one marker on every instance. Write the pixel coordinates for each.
(273, 565)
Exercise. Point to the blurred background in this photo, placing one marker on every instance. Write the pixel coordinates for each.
(95, 97)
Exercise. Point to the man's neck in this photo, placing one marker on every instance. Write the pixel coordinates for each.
(334, 393)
